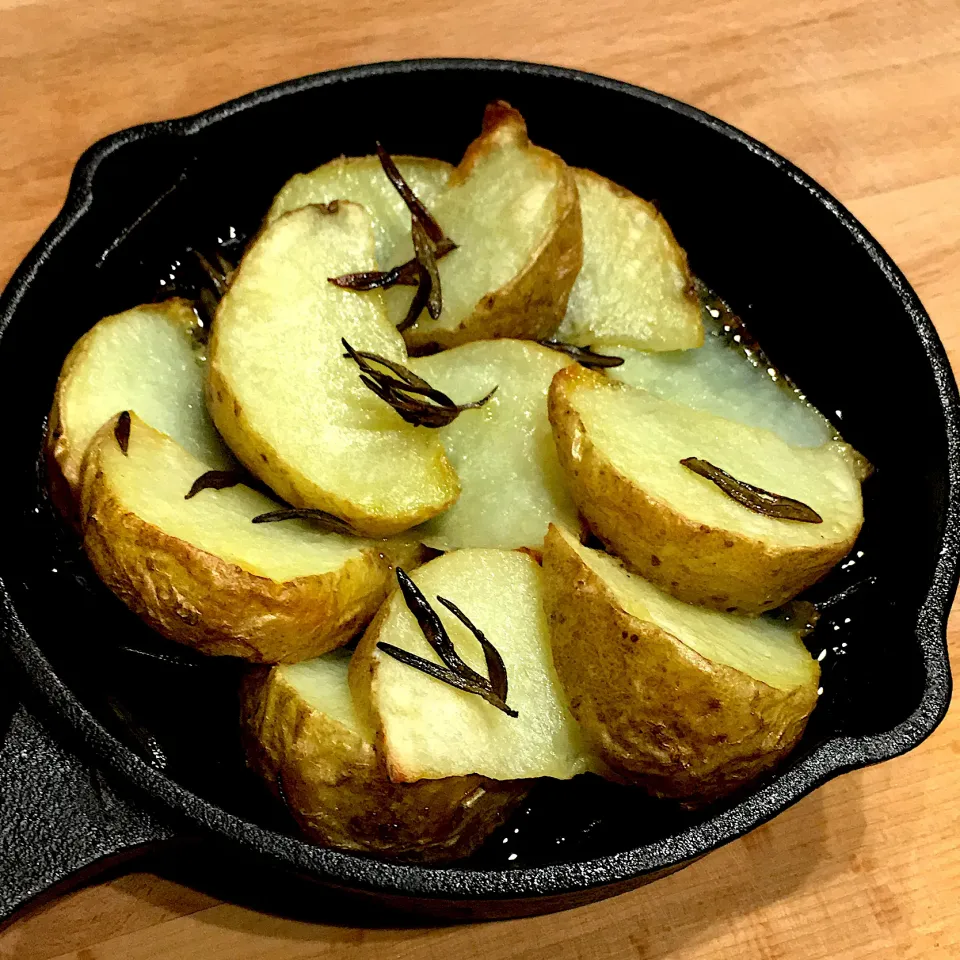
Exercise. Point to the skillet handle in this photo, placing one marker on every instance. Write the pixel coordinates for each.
(60, 822)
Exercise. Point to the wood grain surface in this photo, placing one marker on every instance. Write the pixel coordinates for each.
(863, 96)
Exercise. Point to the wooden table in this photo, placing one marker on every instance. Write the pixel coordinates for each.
(866, 98)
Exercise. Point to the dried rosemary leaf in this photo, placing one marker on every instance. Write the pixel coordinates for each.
(121, 431)
(421, 299)
(417, 210)
(326, 520)
(405, 275)
(215, 480)
(446, 676)
(496, 668)
(427, 260)
(411, 396)
(456, 672)
(583, 355)
(758, 500)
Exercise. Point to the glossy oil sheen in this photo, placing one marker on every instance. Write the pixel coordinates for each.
(161, 189)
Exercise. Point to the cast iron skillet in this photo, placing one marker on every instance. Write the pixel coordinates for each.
(137, 743)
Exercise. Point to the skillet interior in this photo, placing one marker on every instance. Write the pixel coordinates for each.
(823, 306)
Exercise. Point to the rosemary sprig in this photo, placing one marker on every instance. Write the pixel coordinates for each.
(411, 396)
(583, 355)
(455, 672)
(405, 275)
(418, 211)
(761, 501)
(121, 432)
(215, 480)
(326, 520)
(429, 245)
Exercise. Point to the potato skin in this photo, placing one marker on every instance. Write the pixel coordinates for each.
(658, 714)
(338, 792)
(533, 303)
(64, 461)
(696, 563)
(220, 609)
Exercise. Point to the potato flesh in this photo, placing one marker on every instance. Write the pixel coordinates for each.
(322, 683)
(144, 360)
(512, 483)
(768, 650)
(720, 378)
(277, 343)
(633, 286)
(645, 438)
(362, 180)
(152, 480)
(431, 730)
(498, 216)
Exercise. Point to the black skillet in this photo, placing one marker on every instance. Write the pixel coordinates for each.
(124, 742)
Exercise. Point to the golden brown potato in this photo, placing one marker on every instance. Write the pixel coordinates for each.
(634, 287)
(428, 730)
(288, 402)
(621, 449)
(147, 360)
(199, 572)
(687, 702)
(512, 209)
(303, 736)
(503, 453)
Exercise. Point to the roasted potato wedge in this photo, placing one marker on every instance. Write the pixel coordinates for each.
(303, 736)
(634, 287)
(199, 572)
(503, 453)
(426, 729)
(146, 359)
(621, 449)
(288, 402)
(512, 209)
(686, 702)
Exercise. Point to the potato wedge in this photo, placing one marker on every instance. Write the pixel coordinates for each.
(504, 453)
(621, 449)
(512, 209)
(199, 572)
(634, 287)
(288, 402)
(428, 730)
(303, 736)
(362, 180)
(720, 379)
(686, 702)
(146, 359)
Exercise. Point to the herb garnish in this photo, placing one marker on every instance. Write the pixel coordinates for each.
(121, 431)
(456, 673)
(411, 396)
(321, 517)
(215, 480)
(429, 245)
(583, 355)
(758, 500)
(405, 275)
(417, 210)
